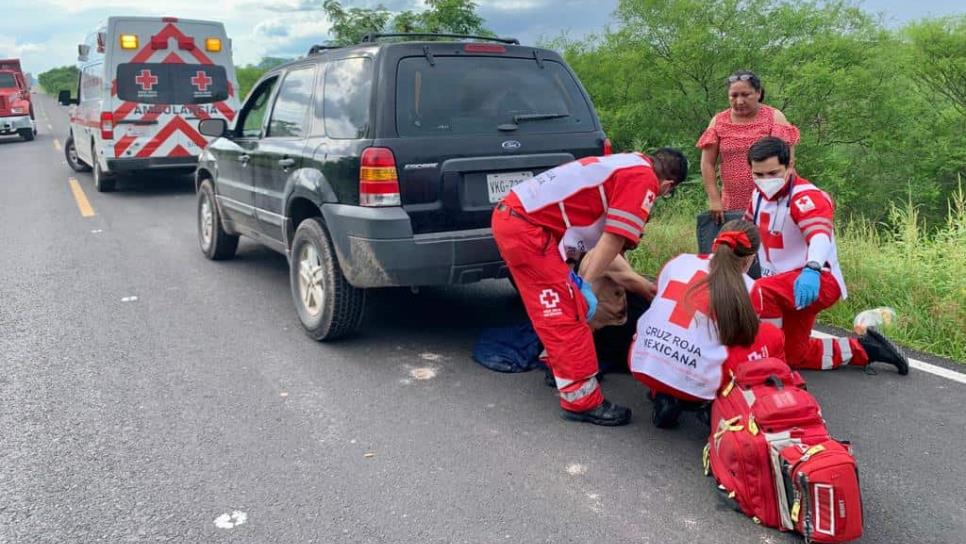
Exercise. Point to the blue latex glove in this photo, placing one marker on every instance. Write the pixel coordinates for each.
(587, 292)
(806, 287)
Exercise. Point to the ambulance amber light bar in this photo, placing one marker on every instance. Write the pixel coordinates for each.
(213, 45)
(129, 41)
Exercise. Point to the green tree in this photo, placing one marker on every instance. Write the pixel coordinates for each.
(846, 81)
(440, 16)
(349, 25)
(59, 79)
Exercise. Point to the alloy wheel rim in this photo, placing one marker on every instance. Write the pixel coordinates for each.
(207, 221)
(311, 291)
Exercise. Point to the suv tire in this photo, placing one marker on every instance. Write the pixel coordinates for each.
(70, 154)
(27, 134)
(328, 306)
(215, 243)
(104, 183)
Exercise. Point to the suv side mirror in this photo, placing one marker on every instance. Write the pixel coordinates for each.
(215, 128)
(65, 100)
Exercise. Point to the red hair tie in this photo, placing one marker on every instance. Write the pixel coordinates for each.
(733, 239)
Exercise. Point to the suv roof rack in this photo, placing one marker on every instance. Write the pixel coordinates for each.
(374, 36)
(316, 49)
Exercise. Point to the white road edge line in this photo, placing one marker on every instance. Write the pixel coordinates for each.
(918, 365)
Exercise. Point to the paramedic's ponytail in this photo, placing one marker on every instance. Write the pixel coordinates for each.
(730, 304)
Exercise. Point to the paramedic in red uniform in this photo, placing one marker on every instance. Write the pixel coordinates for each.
(800, 267)
(701, 326)
(599, 203)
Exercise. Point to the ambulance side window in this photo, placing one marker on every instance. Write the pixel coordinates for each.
(253, 114)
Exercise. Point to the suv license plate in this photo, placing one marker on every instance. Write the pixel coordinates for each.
(499, 185)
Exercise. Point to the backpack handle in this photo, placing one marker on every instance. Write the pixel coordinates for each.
(775, 381)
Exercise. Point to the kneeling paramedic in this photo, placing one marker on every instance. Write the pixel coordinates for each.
(599, 203)
(800, 267)
(701, 326)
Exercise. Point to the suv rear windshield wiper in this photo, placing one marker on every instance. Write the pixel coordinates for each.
(517, 119)
(538, 116)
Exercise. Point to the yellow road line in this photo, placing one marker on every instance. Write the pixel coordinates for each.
(57, 145)
(82, 203)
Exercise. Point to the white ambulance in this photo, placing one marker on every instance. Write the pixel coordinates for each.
(145, 83)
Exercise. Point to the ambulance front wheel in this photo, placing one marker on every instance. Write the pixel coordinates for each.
(70, 153)
(328, 306)
(104, 183)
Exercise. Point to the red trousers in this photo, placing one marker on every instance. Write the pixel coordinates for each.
(774, 300)
(554, 304)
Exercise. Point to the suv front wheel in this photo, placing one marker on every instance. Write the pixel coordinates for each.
(215, 242)
(328, 306)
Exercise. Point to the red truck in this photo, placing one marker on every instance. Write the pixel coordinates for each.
(16, 111)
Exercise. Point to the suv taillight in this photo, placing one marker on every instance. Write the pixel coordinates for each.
(378, 180)
(107, 125)
(608, 147)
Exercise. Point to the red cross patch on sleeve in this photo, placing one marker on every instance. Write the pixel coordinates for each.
(648, 203)
(804, 204)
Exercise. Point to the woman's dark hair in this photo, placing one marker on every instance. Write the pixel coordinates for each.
(768, 147)
(729, 303)
(750, 78)
(670, 163)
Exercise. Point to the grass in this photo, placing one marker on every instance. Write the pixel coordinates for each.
(919, 271)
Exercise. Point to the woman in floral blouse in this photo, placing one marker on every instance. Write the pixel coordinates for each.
(728, 137)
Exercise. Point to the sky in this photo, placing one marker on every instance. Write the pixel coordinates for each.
(45, 33)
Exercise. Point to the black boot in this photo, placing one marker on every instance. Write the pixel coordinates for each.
(607, 414)
(880, 349)
(665, 411)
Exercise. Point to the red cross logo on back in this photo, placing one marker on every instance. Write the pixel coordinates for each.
(684, 310)
(201, 81)
(146, 80)
(769, 240)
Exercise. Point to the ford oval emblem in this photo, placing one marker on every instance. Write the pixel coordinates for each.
(511, 145)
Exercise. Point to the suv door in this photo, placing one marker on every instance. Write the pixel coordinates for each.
(235, 184)
(278, 155)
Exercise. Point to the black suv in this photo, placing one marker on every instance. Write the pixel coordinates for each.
(379, 164)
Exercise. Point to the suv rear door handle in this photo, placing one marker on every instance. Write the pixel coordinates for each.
(244, 158)
(286, 162)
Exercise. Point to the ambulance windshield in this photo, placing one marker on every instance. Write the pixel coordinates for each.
(7, 80)
(156, 83)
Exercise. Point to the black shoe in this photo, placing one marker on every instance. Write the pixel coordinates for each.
(665, 411)
(880, 349)
(704, 415)
(607, 414)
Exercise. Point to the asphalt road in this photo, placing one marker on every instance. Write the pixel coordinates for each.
(148, 420)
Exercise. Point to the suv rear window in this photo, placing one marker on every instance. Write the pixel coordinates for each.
(7, 80)
(475, 95)
(156, 83)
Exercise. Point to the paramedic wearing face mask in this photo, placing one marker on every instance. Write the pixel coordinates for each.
(599, 203)
(799, 265)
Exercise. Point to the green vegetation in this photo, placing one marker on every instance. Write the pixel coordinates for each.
(440, 16)
(58, 79)
(881, 112)
(249, 74)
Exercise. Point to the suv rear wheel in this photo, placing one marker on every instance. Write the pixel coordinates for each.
(70, 154)
(216, 244)
(328, 306)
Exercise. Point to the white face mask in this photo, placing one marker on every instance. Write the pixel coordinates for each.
(770, 186)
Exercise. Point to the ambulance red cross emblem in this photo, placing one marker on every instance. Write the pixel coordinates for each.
(146, 80)
(201, 81)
